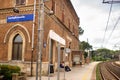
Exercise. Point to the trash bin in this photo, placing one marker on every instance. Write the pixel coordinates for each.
(80, 63)
(73, 64)
(51, 68)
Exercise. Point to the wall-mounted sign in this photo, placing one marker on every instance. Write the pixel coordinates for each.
(56, 37)
(20, 18)
(67, 50)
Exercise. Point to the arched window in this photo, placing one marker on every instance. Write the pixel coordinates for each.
(17, 48)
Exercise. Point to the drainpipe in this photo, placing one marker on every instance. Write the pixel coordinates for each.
(33, 36)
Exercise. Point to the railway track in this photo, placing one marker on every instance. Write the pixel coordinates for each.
(109, 71)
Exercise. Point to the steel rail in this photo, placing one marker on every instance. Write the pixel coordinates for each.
(108, 66)
(109, 70)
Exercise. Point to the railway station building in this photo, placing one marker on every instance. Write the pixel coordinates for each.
(19, 34)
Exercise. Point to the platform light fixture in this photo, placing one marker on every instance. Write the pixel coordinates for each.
(15, 9)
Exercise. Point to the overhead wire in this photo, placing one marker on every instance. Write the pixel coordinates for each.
(77, 8)
(119, 40)
(113, 29)
(107, 22)
(116, 43)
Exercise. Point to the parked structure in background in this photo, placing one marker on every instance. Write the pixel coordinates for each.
(19, 39)
(78, 57)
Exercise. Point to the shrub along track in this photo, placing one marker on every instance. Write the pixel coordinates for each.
(109, 71)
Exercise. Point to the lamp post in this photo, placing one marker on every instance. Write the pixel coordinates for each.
(16, 10)
(40, 38)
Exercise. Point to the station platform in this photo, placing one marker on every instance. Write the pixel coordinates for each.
(117, 62)
(84, 72)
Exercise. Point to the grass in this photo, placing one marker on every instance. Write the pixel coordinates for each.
(98, 77)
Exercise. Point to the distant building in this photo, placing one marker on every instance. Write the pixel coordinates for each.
(16, 30)
(78, 57)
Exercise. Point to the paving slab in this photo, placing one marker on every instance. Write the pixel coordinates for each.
(84, 72)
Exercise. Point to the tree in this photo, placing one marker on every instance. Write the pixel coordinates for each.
(103, 54)
(81, 31)
(85, 46)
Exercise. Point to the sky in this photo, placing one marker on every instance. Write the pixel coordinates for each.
(93, 15)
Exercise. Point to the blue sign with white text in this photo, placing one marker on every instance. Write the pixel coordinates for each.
(20, 18)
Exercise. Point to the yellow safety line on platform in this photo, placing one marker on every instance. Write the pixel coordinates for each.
(85, 76)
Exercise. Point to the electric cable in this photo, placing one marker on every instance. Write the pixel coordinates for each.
(107, 22)
(113, 29)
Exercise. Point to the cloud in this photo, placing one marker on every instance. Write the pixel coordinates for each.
(93, 19)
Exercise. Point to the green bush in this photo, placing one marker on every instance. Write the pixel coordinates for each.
(7, 70)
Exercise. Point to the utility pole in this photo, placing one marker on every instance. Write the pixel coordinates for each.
(40, 38)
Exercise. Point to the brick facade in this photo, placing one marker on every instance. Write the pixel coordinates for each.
(63, 22)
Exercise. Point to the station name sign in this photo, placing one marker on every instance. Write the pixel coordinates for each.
(20, 18)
